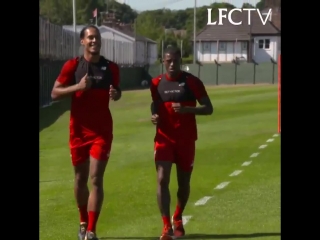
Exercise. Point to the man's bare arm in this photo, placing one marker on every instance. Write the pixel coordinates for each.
(205, 107)
(154, 107)
(59, 90)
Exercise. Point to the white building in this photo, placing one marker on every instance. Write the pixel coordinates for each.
(226, 42)
(124, 47)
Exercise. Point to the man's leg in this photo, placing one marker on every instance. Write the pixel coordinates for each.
(185, 161)
(80, 161)
(183, 192)
(99, 155)
(163, 193)
(163, 159)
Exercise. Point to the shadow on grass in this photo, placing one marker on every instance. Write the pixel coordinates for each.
(209, 236)
(49, 115)
(52, 181)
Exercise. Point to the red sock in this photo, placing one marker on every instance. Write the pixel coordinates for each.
(166, 220)
(83, 213)
(178, 213)
(93, 218)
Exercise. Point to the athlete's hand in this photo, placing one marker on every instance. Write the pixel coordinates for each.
(155, 119)
(113, 93)
(85, 83)
(178, 108)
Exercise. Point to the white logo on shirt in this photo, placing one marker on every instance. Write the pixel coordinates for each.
(182, 84)
(97, 77)
(172, 91)
(103, 68)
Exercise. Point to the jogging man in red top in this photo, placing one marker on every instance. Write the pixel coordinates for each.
(91, 80)
(175, 95)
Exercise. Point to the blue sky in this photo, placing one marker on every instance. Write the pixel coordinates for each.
(142, 5)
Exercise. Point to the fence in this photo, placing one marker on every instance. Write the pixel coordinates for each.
(54, 42)
(56, 45)
(210, 74)
(120, 52)
(228, 73)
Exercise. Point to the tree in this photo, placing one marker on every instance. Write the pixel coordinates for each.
(260, 5)
(60, 11)
(56, 11)
(146, 25)
(124, 13)
(247, 5)
(151, 24)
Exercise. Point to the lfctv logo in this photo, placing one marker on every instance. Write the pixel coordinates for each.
(224, 13)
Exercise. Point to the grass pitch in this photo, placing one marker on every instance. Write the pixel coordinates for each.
(245, 117)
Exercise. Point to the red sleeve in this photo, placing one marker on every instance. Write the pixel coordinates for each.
(154, 89)
(115, 74)
(197, 87)
(66, 76)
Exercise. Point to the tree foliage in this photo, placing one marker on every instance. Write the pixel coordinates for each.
(260, 5)
(247, 5)
(150, 24)
(60, 11)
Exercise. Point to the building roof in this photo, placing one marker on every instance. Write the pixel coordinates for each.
(127, 33)
(70, 28)
(229, 32)
(133, 35)
(276, 16)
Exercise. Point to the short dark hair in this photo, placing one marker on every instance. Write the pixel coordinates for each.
(172, 50)
(83, 30)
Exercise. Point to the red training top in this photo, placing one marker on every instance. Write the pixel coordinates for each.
(185, 89)
(90, 115)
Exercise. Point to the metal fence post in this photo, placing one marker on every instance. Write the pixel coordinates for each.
(217, 71)
(254, 70)
(236, 63)
(273, 68)
(199, 68)
(162, 50)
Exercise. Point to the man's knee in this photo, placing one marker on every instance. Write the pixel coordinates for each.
(184, 178)
(81, 180)
(97, 169)
(183, 185)
(81, 174)
(96, 181)
(163, 180)
(163, 173)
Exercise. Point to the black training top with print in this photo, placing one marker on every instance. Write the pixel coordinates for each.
(185, 89)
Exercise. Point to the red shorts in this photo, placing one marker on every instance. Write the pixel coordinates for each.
(98, 149)
(181, 153)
